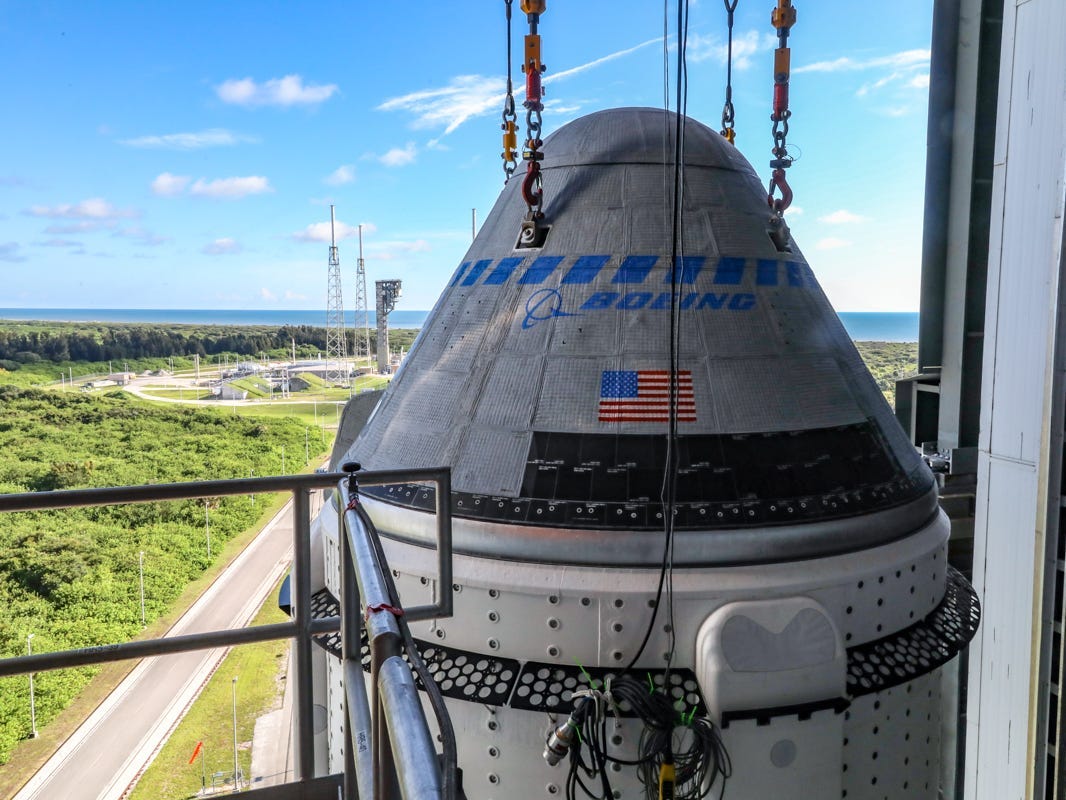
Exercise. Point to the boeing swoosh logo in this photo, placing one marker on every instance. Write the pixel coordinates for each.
(542, 305)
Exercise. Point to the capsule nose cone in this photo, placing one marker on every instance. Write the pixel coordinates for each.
(548, 377)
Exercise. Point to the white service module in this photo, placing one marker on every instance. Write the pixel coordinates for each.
(686, 522)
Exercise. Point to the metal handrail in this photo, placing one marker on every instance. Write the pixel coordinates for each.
(411, 751)
(391, 751)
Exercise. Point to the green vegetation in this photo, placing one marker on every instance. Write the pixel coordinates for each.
(60, 342)
(70, 577)
(889, 361)
(260, 670)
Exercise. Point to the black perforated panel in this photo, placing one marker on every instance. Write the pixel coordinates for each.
(537, 686)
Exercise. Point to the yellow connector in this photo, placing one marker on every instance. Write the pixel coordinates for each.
(510, 141)
(533, 6)
(784, 16)
(532, 53)
(666, 781)
(782, 60)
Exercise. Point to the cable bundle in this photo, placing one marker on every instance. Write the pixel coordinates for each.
(679, 755)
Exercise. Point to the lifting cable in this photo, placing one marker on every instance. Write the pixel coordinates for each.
(532, 185)
(783, 18)
(728, 114)
(509, 126)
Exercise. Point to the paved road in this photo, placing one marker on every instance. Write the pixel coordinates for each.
(109, 750)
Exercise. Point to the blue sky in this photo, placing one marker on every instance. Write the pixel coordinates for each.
(184, 155)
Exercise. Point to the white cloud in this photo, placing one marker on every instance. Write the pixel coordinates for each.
(320, 232)
(291, 295)
(567, 73)
(795, 211)
(95, 208)
(167, 185)
(841, 217)
(60, 243)
(831, 243)
(268, 295)
(920, 81)
(902, 60)
(140, 235)
(9, 251)
(213, 137)
(287, 91)
(745, 46)
(468, 96)
(231, 188)
(77, 227)
(392, 250)
(222, 247)
(341, 175)
(400, 156)
(464, 97)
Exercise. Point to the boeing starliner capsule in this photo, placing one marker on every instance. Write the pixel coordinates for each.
(808, 605)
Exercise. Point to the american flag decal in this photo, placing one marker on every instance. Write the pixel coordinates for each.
(644, 396)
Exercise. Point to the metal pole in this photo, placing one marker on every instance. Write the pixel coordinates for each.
(283, 459)
(143, 623)
(236, 780)
(473, 223)
(33, 707)
(301, 596)
(207, 524)
(307, 448)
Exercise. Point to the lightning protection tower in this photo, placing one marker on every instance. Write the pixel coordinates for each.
(336, 342)
(362, 318)
(387, 294)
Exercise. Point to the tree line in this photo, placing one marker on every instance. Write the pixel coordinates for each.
(114, 343)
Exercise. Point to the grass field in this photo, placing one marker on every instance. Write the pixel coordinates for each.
(260, 672)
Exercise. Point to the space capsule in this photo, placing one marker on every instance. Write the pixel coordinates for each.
(811, 605)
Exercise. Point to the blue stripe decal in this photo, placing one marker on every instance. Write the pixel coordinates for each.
(475, 273)
(729, 271)
(459, 274)
(585, 269)
(765, 272)
(686, 268)
(634, 269)
(794, 272)
(503, 271)
(540, 269)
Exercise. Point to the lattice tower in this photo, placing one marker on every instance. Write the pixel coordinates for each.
(336, 341)
(362, 313)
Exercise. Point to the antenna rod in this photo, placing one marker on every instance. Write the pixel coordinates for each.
(332, 232)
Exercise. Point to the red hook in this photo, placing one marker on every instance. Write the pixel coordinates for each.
(529, 194)
(778, 181)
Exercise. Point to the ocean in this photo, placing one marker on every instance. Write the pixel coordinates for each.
(862, 326)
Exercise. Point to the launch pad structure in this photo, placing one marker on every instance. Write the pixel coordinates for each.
(388, 292)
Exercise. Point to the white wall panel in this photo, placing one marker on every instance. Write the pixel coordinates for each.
(997, 744)
(1022, 316)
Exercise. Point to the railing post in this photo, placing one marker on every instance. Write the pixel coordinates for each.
(301, 564)
(358, 755)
